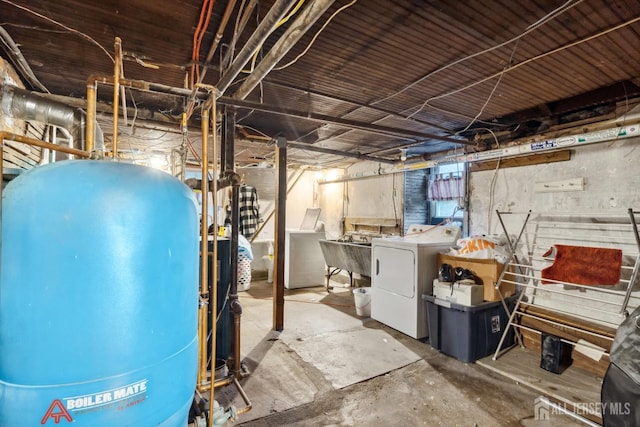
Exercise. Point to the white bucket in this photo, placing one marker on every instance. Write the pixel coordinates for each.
(362, 297)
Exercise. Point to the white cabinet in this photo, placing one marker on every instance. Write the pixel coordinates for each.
(303, 260)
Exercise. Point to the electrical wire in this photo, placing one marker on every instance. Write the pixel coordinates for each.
(553, 14)
(393, 198)
(234, 38)
(278, 25)
(241, 22)
(19, 61)
(464, 116)
(69, 29)
(315, 36)
(492, 186)
(525, 62)
(486, 102)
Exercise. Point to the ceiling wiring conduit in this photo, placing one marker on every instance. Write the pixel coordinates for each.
(535, 147)
(298, 28)
(275, 14)
(19, 60)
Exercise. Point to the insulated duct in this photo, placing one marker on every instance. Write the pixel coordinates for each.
(25, 105)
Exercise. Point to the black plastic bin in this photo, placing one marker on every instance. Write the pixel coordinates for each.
(467, 333)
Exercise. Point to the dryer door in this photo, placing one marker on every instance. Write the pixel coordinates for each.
(394, 270)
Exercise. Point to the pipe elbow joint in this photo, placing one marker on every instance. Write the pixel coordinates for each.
(236, 307)
(234, 178)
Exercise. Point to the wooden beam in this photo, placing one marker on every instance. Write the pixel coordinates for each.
(534, 159)
(280, 226)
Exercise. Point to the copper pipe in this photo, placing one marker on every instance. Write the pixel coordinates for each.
(204, 249)
(116, 96)
(91, 116)
(223, 382)
(244, 396)
(217, 384)
(42, 144)
(202, 337)
(213, 293)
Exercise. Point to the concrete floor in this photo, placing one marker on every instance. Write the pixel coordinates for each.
(330, 367)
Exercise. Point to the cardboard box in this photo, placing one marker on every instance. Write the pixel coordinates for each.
(486, 271)
(458, 293)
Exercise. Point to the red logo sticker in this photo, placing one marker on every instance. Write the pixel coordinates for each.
(61, 413)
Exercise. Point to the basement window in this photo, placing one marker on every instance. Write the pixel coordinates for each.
(445, 193)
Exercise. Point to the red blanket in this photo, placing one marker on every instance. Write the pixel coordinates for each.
(583, 265)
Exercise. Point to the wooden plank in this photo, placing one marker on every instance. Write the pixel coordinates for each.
(372, 225)
(534, 159)
(583, 325)
(573, 387)
(14, 159)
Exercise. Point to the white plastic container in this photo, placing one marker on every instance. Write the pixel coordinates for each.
(362, 298)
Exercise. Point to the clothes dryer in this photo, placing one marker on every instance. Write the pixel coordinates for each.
(402, 269)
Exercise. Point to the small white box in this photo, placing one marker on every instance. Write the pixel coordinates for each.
(458, 293)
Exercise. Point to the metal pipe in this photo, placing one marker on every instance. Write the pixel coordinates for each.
(204, 250)
(91, 115)
(42, 144)
(229, 168)
(229, 129)
(212, 49)
(296, 30)
(245, 398)
(228, 101)
(359, 105)
(226, 58)
(20, 61)
(206, 387)
(228, 165)
(364, 126)
(116, 96)
(275, 14)
(213, 291)
(236, 308)
(26, 105)
(309, 147)
(218, 37)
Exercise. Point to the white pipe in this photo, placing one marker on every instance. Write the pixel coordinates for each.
(564, 142)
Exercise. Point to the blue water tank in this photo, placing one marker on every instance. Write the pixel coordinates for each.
(98, 297)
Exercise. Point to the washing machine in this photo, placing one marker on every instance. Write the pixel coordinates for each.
(402, 269)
